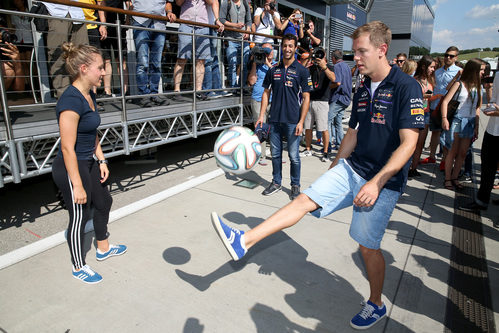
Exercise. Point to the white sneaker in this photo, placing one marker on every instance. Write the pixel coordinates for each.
(306, 153)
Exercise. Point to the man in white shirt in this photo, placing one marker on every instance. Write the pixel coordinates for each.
(61, 31)
(267, 20)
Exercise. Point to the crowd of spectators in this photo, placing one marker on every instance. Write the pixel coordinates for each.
(257, 16)
(236, 21)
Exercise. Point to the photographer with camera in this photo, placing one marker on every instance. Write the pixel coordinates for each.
(308, 43)
(12, 69)
(321, 74)
(310, 39)
(267, 20)
(293, 24)
(261, 61)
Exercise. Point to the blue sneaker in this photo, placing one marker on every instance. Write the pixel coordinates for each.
(114, 250)
(369, 316)
(231, 238)
(213, 95)
(225, 93)
(87, 275)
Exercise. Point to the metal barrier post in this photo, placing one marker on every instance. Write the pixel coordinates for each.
(194, 76)
(10, 143)
(241, 83)
(124, 117)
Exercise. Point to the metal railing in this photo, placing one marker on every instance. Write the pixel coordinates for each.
(29, 135)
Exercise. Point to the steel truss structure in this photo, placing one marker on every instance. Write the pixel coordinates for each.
(27, 148)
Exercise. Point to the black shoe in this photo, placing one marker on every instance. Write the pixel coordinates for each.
(414, 173)
(160, 100)
(201, 96)
(272, 188)
(144, 102)
(295, 191)
(465, 178)
(472, 207)
(180, 98)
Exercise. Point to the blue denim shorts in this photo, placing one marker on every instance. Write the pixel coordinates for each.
(203, 49)
(336, 190)
(465, 127)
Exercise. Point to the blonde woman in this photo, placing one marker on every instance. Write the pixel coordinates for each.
(80, 169)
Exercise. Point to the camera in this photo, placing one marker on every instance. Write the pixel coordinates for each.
(272, 6)
(318, 53)
(7, 37)
(260, 54)
(306, 27)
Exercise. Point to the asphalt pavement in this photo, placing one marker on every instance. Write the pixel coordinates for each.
(178, 277)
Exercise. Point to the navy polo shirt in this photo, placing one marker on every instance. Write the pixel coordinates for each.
(287, 84)
(73, 100)
(378, 116)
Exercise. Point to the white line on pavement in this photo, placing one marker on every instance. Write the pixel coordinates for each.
(45, 244)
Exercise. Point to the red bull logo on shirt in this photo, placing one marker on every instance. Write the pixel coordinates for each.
(378, 118)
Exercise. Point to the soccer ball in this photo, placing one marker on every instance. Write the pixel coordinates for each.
(237, 150)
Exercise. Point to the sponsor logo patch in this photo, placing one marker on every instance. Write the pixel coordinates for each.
(362, 103)
(417, 111)
(378, 118)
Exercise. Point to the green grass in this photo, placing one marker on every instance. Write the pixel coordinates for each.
(485, 54)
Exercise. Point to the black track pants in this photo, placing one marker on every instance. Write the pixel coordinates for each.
(98, 198)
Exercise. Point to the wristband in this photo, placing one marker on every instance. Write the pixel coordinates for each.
(168, 11)
(102, 161)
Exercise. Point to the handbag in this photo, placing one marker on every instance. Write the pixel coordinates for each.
(436, 115)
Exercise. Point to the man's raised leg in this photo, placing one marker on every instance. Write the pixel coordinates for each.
(237, 242)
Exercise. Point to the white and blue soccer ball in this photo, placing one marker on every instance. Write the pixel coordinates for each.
(237, 150)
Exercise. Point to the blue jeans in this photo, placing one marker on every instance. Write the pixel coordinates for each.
(335, 117)
(234, 58)
(211, 69)
(149, 46)
(277, 131)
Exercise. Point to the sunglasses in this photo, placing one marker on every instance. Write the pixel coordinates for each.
(449, 55)
(400, 61)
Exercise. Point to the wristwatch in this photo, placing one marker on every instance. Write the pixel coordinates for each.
(102, 161)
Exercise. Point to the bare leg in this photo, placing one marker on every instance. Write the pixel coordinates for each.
(450, 157)
(199, 74)
(375, 266)
(325, 134)
(107, 77)
(462, 149)
(419, 148)
(308, 138)
(103, 245)
(284, 218)
(125, 76)
(178, 72)
(435, 139)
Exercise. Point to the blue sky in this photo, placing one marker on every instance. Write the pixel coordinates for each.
(465, 23)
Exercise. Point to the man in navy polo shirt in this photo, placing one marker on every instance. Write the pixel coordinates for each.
(287, 81)
(369, 171)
